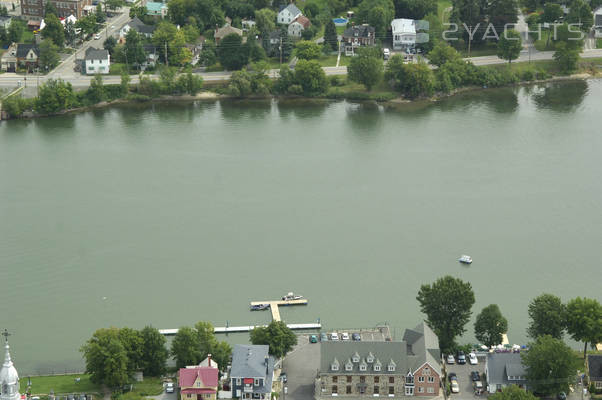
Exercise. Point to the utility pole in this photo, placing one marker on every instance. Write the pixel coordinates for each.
(469, 39)
(166, 60)
(280, 50)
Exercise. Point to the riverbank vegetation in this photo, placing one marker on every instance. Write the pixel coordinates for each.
(75, 383)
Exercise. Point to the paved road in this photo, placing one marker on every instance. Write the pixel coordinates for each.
(301, 366)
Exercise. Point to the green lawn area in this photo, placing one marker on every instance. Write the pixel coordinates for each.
(149, 387)
(27, 37)
(550, 66)
(541, 44)
(442, 6)
(485, 49)
(599, 43)
(61, 384)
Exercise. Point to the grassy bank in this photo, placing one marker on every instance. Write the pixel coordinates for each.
(149, 387)
(41, 385)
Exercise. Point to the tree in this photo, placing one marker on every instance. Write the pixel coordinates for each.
(442, 53)
(87, 24)
(106, 358)
(509, 45)
(15, 30)
(130, 338)
(231, 53)
(448, 301)
(277, 335)
(208, 55)
(550, 365)
(191, 33)
(154, 353)
(125, 83)
(189, 83)
(307, 50)
(138, 11)
(552, 12)
(513, 392)
(3, 11)
(330, 35)
(240, 84)
(366, 67)
(95, 94)
(502, 12)
(415, 9)
(413, 80)
(50, 9)
(49, 55)
(547, 314)
(54, 30)
(580, 13)
(221, 353)
(310, 75)
(134, 51)
(185, 348)
(70, 34)
(584, 321)
(265, 20)
(114, 4)
(253, 49)
(109, 44)
(100, 14)
(490, 326)
(566, 57)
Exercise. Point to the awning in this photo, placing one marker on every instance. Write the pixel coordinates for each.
(248, 380)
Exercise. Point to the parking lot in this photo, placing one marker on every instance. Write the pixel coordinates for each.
(301, 366)
(464, 379)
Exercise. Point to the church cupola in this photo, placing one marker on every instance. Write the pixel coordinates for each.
(9, 378)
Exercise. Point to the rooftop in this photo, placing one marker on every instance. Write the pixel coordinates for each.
(96, 54)
(403, 25)
(594, 363)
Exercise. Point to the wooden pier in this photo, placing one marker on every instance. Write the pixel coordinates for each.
(275, 304)
(238, 329)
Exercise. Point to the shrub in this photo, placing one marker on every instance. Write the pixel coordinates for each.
(337, 80)
(295, 89)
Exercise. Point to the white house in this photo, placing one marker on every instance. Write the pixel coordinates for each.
(296, 28)
(288, 14)
(404, 33)
(98, 61)
(598, 22)
(138, 26)
(5, 22)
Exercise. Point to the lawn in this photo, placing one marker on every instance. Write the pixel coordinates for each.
(61, 384)
(485, 49)
(442, 6)
(599, 43)
(541, 43)
(149, 387)
(27, 37)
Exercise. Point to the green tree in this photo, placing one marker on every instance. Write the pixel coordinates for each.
(221, 353)
(114, 4)
(191, 33)
(189, 83)
(154, 352)
(70, 34)
(109, 44)
(584, 321)
(253, 49)
(87, 24)
(442, 53)
(566, 57)
(415, 9)
(3, 11)
(231, 52)
(208, 55)
(550, 365)
(277, 335)
(502, 12)
(552, 12)
(509, 45)
(49, 55)
(580, 13)
(311, 77)
(100, 14)
(129, 338)
(134, 51)
(490, 326)
(330, 35)
(106, 358)
(513, 392)
(366, 67)
(413, 80)
(15, 30)
(307, 50)
(50, 9)
(240, 84)
(95, 94)
(386, 12)
(185, 347)
(448, 301)
(125, 83)
(138, 12)
(265, 20)
(206, 337)
(378, 18)
(547, 314)
(54, 30)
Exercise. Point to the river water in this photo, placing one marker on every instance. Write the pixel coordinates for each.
(170, 214)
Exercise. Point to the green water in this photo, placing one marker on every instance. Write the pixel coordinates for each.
(186, 212)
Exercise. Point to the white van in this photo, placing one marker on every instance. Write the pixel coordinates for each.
(334, 336)
(386, 53)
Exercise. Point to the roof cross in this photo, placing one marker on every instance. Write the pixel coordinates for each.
(6, 334)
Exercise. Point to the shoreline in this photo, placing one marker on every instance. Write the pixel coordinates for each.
(213, 96)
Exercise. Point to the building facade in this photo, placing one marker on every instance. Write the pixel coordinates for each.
(252, 372)
(296, 28)
(388, 369)
(34, 9)
(198, 382)
(357, 36)
(97, 61)
(288, 14)
(404, 33)
(594, 370)
(505, 369)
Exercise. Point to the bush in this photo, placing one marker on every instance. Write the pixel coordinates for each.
(337, 80)
(295, 89)
(15, 106)
(138, 97)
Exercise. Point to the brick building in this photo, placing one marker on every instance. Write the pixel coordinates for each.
(34, 9)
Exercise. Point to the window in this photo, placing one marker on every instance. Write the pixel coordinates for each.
(391, 367)
(421, 379)
(598, 385)
(391, 379)
(431, 379)
(334, 389)
(377, 367)
(376, 379)
(376, 389)
(430, 390)
(349, 367)
(256, 382)
(391, 390)
(335, 367)
(426, 371)
(409, 379)
(198, 384)
(188, 395)
(335, 379)
(363, 367)
(238, 381)
(348, 379)
(348, 389)
(420, 389)
(362, 379)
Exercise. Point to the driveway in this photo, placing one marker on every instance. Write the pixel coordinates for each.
(464, 380)
(301, 366)
(165, 396)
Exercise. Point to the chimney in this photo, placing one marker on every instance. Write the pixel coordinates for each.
(267, 362)
(209, 359)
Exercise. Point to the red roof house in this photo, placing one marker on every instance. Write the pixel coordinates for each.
(198, 383)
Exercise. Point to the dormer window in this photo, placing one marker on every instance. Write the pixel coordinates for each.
(370, 357)
(363, 366)
(349, 366)
(426, 371)
(376, 368)
(335, 365)
(356, 357)
(391, 366)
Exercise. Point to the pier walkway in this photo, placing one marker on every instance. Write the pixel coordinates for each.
(277, 303)
(247, 328)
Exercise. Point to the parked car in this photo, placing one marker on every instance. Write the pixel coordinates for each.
(334, 336)
(452, 376)
(96, 37)
(472, 359)
(386, 53)
(323, 337)
(461, 358)
(451, 359)
(344, 336)
(283, 377)
(478, 387)
(313, 339)
(561, 396)
(455, 388)
(474, 375)
(356, 336)
(169, 387)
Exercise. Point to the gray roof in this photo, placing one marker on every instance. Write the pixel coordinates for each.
(361, 30)
(249, 361)
(423, 346)
(594, 363)
(293, 9)
(598, 21)
(4, 19)
(343, 352)
(96, 54)
(23, 49)
(502, 365)
(140, 27)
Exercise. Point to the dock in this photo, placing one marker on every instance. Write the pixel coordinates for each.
(275, 304)
(247, 328)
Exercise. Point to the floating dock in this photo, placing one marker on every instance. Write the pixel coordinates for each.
(236, 329)
(275, 304)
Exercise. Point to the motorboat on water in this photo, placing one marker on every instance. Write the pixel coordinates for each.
(259, 307)
(292, 296)
(464, 259)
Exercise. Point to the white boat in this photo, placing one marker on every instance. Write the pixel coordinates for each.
(292, 296)
(464, 259)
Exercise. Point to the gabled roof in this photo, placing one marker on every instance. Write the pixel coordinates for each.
(23, 50)
(291, 8)
(594, 364)
(502, 365)
(423, 346)
(249, 361)
(227, 30)
(363, 31)
(303, 20)
(96, 54)
(140, 27)
(187, 376)
(335, 350)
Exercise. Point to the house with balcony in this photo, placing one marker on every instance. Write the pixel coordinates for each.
(252, 372)
(357, 36)
(198, 382)
(404, 34)
(397, 369)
